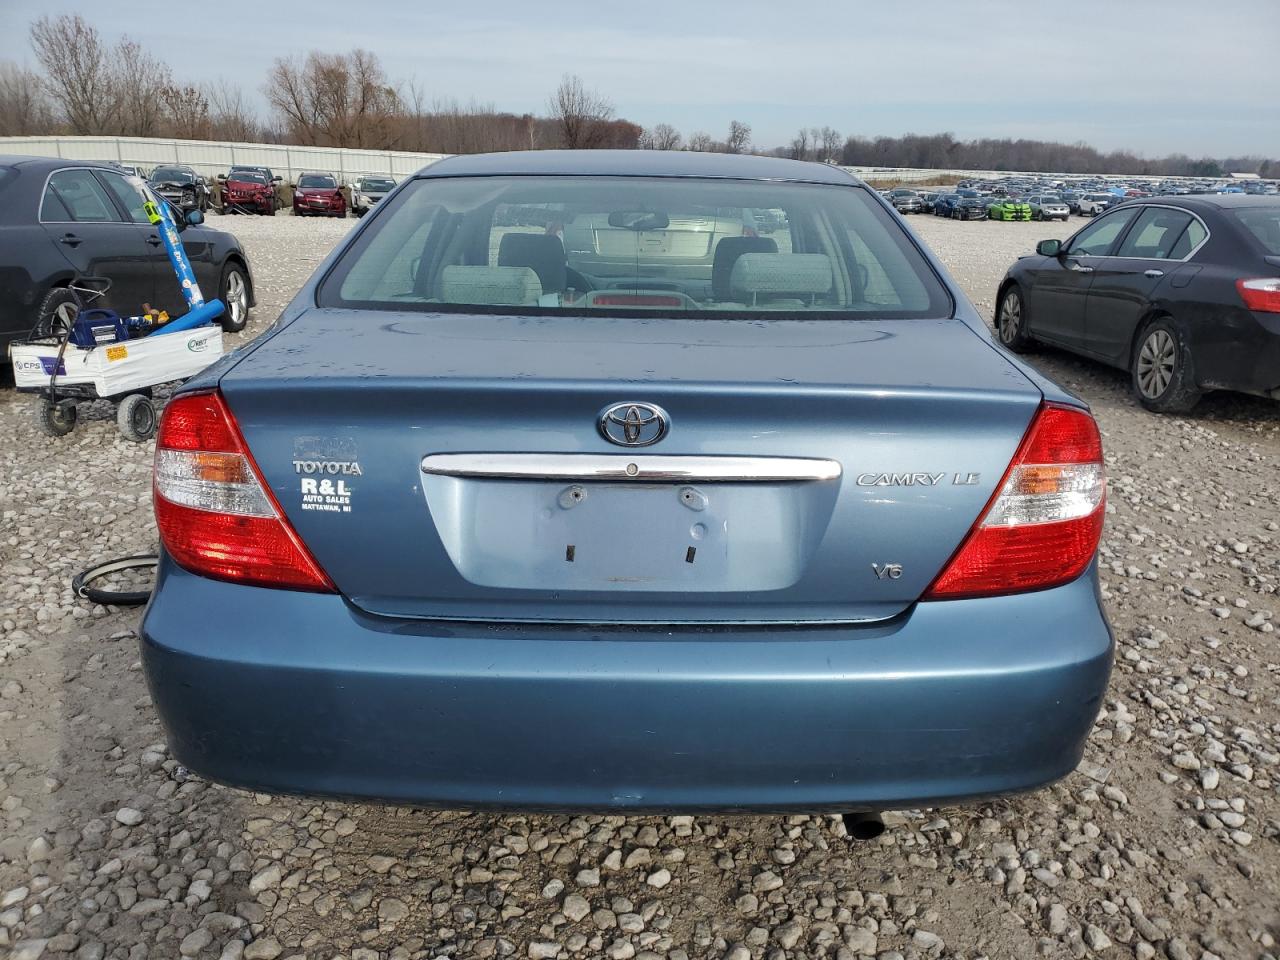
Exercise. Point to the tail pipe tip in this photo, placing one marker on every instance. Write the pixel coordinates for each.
(866, 825)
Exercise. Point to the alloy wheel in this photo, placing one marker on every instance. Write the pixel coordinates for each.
(237, 297)
(1157, 359)
(1010, 317)
(64, 317)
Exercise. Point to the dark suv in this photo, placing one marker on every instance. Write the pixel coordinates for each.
(181, 186)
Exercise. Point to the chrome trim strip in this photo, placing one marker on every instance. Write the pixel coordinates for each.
(1141, 206)
(591, 466)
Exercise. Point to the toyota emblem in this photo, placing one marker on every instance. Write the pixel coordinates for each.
(633, 424)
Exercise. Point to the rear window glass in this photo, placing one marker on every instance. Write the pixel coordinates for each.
(1264, 224)
(672, 245)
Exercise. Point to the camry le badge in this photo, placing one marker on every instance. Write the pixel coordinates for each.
(633, 424)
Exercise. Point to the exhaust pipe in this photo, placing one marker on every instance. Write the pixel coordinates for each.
(863, 826)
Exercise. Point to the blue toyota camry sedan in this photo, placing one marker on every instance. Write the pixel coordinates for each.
(629, 481)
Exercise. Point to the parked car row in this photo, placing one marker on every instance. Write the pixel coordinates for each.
(255, 189)
(1047, 198)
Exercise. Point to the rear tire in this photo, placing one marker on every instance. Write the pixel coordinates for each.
(136, 418)
(1162, 369)
(56, 313)
(1011, 321)
(55, 420)
(233, 291)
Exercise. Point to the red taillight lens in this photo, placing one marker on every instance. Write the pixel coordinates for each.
(1042, 527)
(215, 515)
(1261, 294)
(636, 300)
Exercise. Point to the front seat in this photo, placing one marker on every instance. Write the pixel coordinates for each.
(728, 251)
(543, 253)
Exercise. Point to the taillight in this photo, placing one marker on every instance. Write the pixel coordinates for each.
(636, 300)
(215, 515)
(1042, 527)
(1261, 294)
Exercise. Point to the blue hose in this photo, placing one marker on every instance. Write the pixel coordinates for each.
(207, 312)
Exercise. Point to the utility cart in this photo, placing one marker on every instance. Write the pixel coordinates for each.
(84, 357)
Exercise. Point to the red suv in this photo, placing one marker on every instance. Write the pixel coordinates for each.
(247, 190)
(317, 194)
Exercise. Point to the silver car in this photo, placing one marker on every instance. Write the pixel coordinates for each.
(369, 190)
(1048, 207)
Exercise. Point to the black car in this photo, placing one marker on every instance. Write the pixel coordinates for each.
(1182, 292)
(969, 208)
(181, 186)
(61, 219)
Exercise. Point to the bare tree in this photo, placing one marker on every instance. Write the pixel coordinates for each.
(666, 137)
(800, 145)
(188, 112)
(229, 116)
(701, 142)
(739, 137)
(340, 100)
(142, 82)
(828, 144)
(581, 114)
(79, 73)
(24, 106)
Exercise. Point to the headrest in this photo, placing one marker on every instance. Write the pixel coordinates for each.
(490, 285)
(728, 251)
(781, 273)
(543, 252)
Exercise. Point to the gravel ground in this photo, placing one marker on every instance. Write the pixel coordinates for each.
(1166, 841)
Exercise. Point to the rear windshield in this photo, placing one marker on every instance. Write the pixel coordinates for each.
(682, 246)
(1264, 224)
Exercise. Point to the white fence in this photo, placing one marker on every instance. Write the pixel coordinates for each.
(210, 158)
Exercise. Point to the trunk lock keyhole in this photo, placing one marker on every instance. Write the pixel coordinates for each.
(572, 496)
(692, 498)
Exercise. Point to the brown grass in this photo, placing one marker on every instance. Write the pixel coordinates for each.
(941, 180)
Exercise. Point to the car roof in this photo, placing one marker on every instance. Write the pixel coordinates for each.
(635, 163)
(49, 163)
(1210, 201)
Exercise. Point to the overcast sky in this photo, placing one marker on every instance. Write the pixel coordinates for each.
(1157, 76)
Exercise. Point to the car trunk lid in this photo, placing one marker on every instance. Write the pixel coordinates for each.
(814, 470)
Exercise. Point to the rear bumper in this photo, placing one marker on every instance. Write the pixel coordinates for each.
(299, 693)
